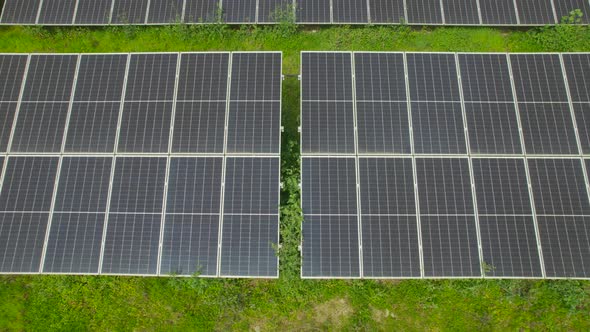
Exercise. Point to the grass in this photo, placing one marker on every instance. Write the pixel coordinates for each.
(289, 303)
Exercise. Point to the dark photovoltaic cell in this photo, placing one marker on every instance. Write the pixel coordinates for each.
(254, 127)
(450, 246)
(566, 245)
(497, 12)
(438, 128)
(251, 185)
(151, 77)
(101, 77)
(327, 127)
(203, 76)
(74, 243)
(92, 127)
(50, 78)
(12, 68)
(7, 111)
(558, 187)
(501, 187)
(538, 78)
(239, 11)
(199, 127)
(582, 112)
(330, 246)
(194, 185)
(314, 11)
(493, 128)
(201, 11)
(509, 246)
(248, 245)
(460, 12)
(387, 186)
(40, 127)
(129, 11)
(20, 11)
(424, 11)
(131, 245)
(563, 9)
(485, 77)
(387, 11)
(383, 127)
(145, 127)
(93, 12)
(57, 12)
(444, 186)
(165, 11)
(190, 245)
(256, 76)
(536, 11)
(433, 77)
(127, 195)
(379, 77)
(83, 184)
(349, 11)
(390, 246)
(21, 240)
(326, 76)
(273, 11)
(329, 186)
(548, 128)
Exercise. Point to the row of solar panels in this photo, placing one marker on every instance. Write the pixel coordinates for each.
(420, 12)
(148, 164)
(445, 165)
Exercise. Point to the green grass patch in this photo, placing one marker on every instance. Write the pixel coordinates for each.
(130, 303)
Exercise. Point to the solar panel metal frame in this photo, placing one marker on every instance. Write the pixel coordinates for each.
(522, 155)
(258, 20)
(115, 154)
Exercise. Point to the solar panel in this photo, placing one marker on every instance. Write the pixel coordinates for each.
(438, 128)
(548, 128)
(127, 201)
(461, 12)
(535, 11)
(25, 203)
(314, 11)
(129, 11)
(20, 11)
(563, 8)
(575, 65)
(424, 11)
(165, 11)
(349, 11)
(544, 70)
(93, 12)
(202, 11)
(57, 11)
(239, 11)
(498, 12)
(387, 11)
(329, 186)
(562, 205)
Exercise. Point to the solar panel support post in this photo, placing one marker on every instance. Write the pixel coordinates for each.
(442, 12)
(182, 16)
(224, 163)
(113, 166)
(554, 11)
(406, 16)
(147, 12)
(75, 12)
(575, 124)
(479, 12)
(357, 167)
(331, 11)
(60, 162)
(470, 162)
(414, 169)
(256, 14)
(4, 9)
(526, 167)
(516, 12)
(368, 11)
(112, 11)
(168, 161)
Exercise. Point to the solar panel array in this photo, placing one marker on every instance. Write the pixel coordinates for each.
(432, 165)
(142, 163)
(419, 12)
